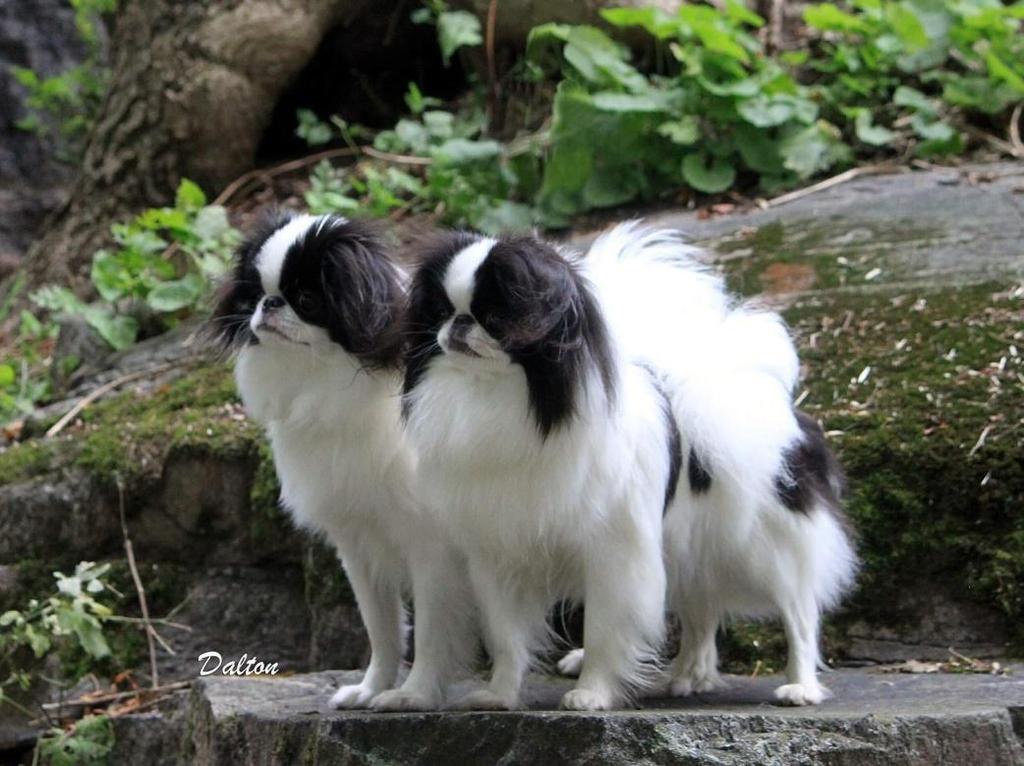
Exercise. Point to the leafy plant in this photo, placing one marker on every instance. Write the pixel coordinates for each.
(88, 742)
(73, 615)
(62, 107)
(455, 29)
(23, 374)
(165, 260)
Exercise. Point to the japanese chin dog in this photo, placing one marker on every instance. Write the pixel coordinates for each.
(548, 455)
(582, 418)
(756, 527)
(312, 310)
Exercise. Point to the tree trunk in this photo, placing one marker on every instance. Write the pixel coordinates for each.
(193, 86)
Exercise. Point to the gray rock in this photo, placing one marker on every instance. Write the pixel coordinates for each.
(915, 228)
(39, 35)
(874, 719)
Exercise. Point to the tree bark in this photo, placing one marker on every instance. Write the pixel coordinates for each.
(193, 86)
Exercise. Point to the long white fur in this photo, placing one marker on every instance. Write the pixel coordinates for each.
(575, 516)
(736, 549)
(347, 472)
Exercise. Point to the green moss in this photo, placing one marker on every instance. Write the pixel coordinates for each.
(128, 435)
(907, 384)
(20, 462)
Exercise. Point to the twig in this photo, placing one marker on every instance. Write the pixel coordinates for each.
(266, 174)
(115, 696)
(285, 167)
(492, 69)
(130, 553)
(997, 143)
(1018, 145)
(152, 621)
(979, 444)
(96, 393)
(828, 183)
(776, 16)
(398, 159)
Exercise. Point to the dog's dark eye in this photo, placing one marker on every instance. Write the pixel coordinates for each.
(305, 302)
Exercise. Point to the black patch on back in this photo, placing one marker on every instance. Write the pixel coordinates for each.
(812, 474)
(241, 290)
(540, 309)
(697, 472)
(340, 276)
(429, 306)
(674, 439)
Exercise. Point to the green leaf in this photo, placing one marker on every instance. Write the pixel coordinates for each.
(119, 331)
(457, 29)
(907, 26)
(813, 149)
(505, 217)
(211, 223)
(685, 131)
(930, 129)
(998, 70)
(312, 129)
(828, 18)
(458, 151)
(189, 196)
(7, 378)
(171, 296)
(8, 618)
(712, 176)
(628, 102)
(108, 275)
(654, 20)
(737, 11)
(765, 112)
(915, 99)
(87, 630)
(601, 61)
(866, 131)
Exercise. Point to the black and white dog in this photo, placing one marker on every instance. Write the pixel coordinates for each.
(545, 452)
(313, 310)
(555, 403)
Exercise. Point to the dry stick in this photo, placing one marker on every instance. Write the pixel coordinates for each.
(492, 69)
(115, 696)
(1018, 145)
(828, 183)
(997, 143)
(129, 551)
(398, 159)
(96, 393)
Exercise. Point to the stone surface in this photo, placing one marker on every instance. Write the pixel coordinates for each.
(942, 227)
(874, 719)
(39, 35)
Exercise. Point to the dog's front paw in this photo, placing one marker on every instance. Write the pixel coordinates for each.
(802, 694)
(571, 664)
(353, 696)
(687, 684)
(404, 699)
(587, 699)
(485, 699)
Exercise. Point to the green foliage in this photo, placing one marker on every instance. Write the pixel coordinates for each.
(63, 107)
(73, 616)
(165, 259)
(715, 113)
(23, 371)
(88, 743)
(455, 29)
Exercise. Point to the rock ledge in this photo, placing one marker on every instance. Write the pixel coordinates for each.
(875, 718)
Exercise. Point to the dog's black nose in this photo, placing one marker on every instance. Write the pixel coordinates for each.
(462, 324)
(272, 302)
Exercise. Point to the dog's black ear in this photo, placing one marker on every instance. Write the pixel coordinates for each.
(364, 298)
(241, 289)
